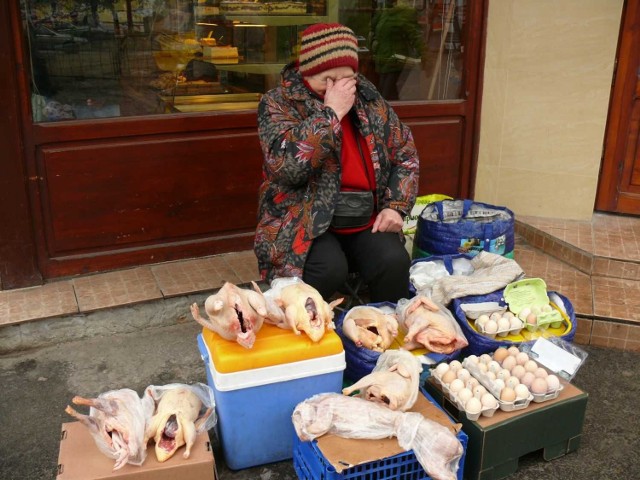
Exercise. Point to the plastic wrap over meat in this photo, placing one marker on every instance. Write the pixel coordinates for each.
(428, 324)
(435, 446)
(116, 421)
(182, 411)
(394, 381)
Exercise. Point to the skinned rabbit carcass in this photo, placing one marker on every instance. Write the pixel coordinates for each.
(429, 325)
(295, 305)
(435, 446)
(175, 422)
(234, 313)
(116, 422)
(394, 381)
(370, 327)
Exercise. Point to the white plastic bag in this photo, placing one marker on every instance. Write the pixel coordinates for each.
(423, 275)
(117, 420)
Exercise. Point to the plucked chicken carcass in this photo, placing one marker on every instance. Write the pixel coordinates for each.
(116, 421)
(175, 422)
(234, 313)
(394, 381)
(428, 325)
(370, 327)
(293, 304)
(435, 446)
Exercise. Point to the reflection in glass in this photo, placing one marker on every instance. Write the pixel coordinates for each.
(111, 58)
(411, 49)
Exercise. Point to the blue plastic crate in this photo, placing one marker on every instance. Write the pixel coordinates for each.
(310, 464)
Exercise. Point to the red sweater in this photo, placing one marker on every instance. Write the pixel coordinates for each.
(354, 175)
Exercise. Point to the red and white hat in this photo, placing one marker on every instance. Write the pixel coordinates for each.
(327, 45)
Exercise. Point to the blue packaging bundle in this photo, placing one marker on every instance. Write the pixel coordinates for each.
(464, 226)
(360, 361)
(479, 344)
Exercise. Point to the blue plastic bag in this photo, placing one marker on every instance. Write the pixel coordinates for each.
(464, 226)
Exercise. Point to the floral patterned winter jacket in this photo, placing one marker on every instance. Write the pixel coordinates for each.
(301, 141)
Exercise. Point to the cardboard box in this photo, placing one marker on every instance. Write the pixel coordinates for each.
(257, 390)
(80, 459)
(334, 457)
(496, 443)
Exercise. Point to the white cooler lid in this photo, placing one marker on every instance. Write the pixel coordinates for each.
(276, 373)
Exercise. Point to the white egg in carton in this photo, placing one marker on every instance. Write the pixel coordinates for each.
(474, 414)
(546, 389)
(495, 388)
(499, 324)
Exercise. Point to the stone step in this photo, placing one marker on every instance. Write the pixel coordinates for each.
(608, 246)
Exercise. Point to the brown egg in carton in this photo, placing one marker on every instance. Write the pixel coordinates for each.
(542, 384)
(499, 324)
(510, 397)
(464, 390)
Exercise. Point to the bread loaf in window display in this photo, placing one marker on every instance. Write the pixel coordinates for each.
(259, 7)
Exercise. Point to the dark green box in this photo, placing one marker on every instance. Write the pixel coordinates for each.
(496, 443)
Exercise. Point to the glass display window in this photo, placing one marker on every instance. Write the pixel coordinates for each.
(113, 58)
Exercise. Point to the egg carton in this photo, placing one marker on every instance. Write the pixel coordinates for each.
(543, 397)
(493, 389)
(485, 412)
(501, 333)
(474, 310)
(545, 320)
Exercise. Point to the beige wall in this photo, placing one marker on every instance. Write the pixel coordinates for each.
(547, 79)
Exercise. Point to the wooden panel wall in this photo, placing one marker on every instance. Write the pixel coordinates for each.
(112, 197)
(156, 198)
(439, 144)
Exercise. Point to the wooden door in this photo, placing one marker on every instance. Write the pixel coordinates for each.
(619, 183)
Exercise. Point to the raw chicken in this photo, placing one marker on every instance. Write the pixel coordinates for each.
(394, 381)
(435, 446)
(370, 327)
(116, 421)
(428, 325)
(175, 422)
(234, 313)
(293, 304)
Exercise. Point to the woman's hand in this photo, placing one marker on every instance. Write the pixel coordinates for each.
(340, 95)
(388, 220)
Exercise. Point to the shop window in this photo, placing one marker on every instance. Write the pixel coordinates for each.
(115, 58)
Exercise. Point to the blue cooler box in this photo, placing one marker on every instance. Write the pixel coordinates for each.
(257, 389)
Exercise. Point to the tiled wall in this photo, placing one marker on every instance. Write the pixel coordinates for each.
(607, 334)
(547, 79)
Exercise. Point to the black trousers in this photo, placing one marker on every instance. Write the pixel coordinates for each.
(380, 258)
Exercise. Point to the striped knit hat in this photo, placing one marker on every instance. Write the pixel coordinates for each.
(327, 45)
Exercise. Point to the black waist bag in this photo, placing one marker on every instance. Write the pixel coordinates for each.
(354, 209)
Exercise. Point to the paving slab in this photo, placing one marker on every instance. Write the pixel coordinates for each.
(38, 384)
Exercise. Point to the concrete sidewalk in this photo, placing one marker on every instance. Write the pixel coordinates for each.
(37, 385)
